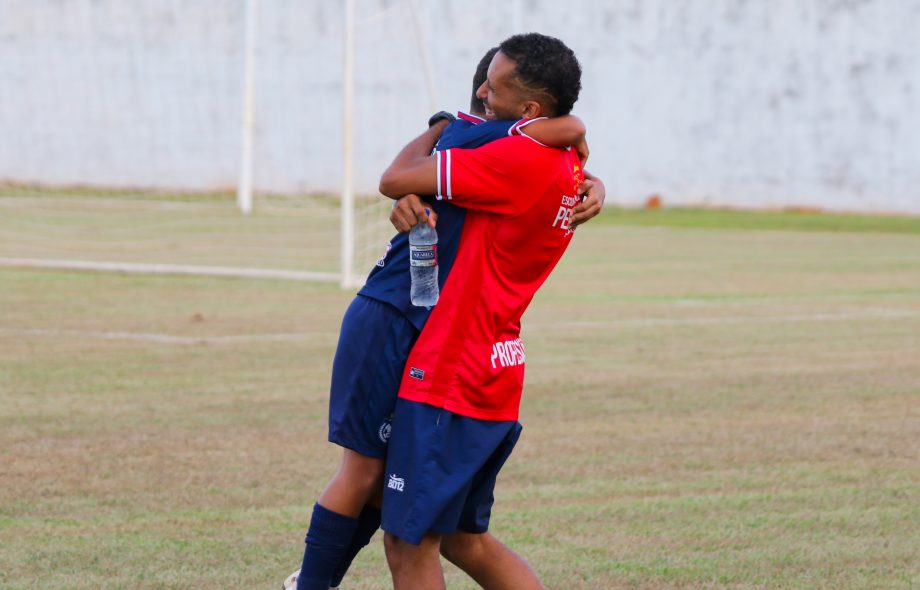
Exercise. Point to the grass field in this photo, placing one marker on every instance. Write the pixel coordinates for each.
(704, 408)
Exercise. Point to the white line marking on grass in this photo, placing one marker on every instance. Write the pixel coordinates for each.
(128, 203)
(166, 338)
(172, 269)
(871, 314)
(292, 206)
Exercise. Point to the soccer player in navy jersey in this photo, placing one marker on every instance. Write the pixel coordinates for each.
(455, 422)
(377, 333)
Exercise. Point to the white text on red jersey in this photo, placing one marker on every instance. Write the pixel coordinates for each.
(508, 353)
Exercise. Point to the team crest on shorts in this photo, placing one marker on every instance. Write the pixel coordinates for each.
(385, 430)
(383, 259)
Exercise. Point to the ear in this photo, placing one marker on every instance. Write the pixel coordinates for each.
(532, 109)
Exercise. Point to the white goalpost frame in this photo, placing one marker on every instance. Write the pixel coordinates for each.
(243, 198)
(346, 277)
(244, 190)
(348, 104)
(349, 278)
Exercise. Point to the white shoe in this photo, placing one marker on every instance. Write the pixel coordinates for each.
(290, 582)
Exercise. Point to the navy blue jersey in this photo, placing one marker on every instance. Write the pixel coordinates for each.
(389, 280)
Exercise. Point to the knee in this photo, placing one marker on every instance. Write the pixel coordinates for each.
(399, 551)
(463, 549)
(365, 474)
(391, 544)
(370, 479)
(395, 549)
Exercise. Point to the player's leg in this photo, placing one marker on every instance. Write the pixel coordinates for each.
(353, 485)
(440, 475)
(424, 480)
(415, 567)
(401, 336)
(489, 562)
(471, 548)
(373, 344)
(368, 523)
(335, 521)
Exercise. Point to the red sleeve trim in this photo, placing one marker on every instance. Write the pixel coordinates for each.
(469, 117)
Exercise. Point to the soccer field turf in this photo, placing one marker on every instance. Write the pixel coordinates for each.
(704, 408)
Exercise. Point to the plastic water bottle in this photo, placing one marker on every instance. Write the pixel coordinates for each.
(423, 265)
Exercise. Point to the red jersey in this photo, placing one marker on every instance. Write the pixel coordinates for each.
(469, 358)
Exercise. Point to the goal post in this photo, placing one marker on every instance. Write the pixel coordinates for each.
(244, 186)
(196, 149)
(351, 274)
(348, 106)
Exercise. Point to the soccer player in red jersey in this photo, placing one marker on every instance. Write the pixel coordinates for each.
(456, 417)
(381, 327)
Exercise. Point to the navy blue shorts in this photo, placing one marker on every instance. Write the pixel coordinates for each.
(374, 344)
(441, 471)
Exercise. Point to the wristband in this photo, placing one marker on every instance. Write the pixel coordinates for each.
(441, 115)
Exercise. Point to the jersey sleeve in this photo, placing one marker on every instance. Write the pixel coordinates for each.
(504, 177)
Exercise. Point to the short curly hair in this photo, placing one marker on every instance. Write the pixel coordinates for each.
(545, 65)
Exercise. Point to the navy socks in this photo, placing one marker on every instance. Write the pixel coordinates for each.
(328, 539)
(368, 523)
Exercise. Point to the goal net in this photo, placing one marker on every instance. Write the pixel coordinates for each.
(137, 130)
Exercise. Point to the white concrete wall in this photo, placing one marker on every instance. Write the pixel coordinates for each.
(725, 102)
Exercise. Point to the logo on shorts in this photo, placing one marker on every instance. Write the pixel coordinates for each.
(385, 429)
(417, 373)
(396, 483)
(383, 259)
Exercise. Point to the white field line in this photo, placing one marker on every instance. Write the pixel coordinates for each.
(97, 203)
(294, 206)
(867, 314)
(165, 338)
(172, 269)
(872, 314)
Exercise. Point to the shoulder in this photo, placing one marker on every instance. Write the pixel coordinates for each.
(523, 146)
(499, 125)
(457, 126)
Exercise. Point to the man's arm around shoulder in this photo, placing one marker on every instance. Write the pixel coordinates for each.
(414, 170)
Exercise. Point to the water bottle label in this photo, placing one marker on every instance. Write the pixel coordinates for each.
(423, 255)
